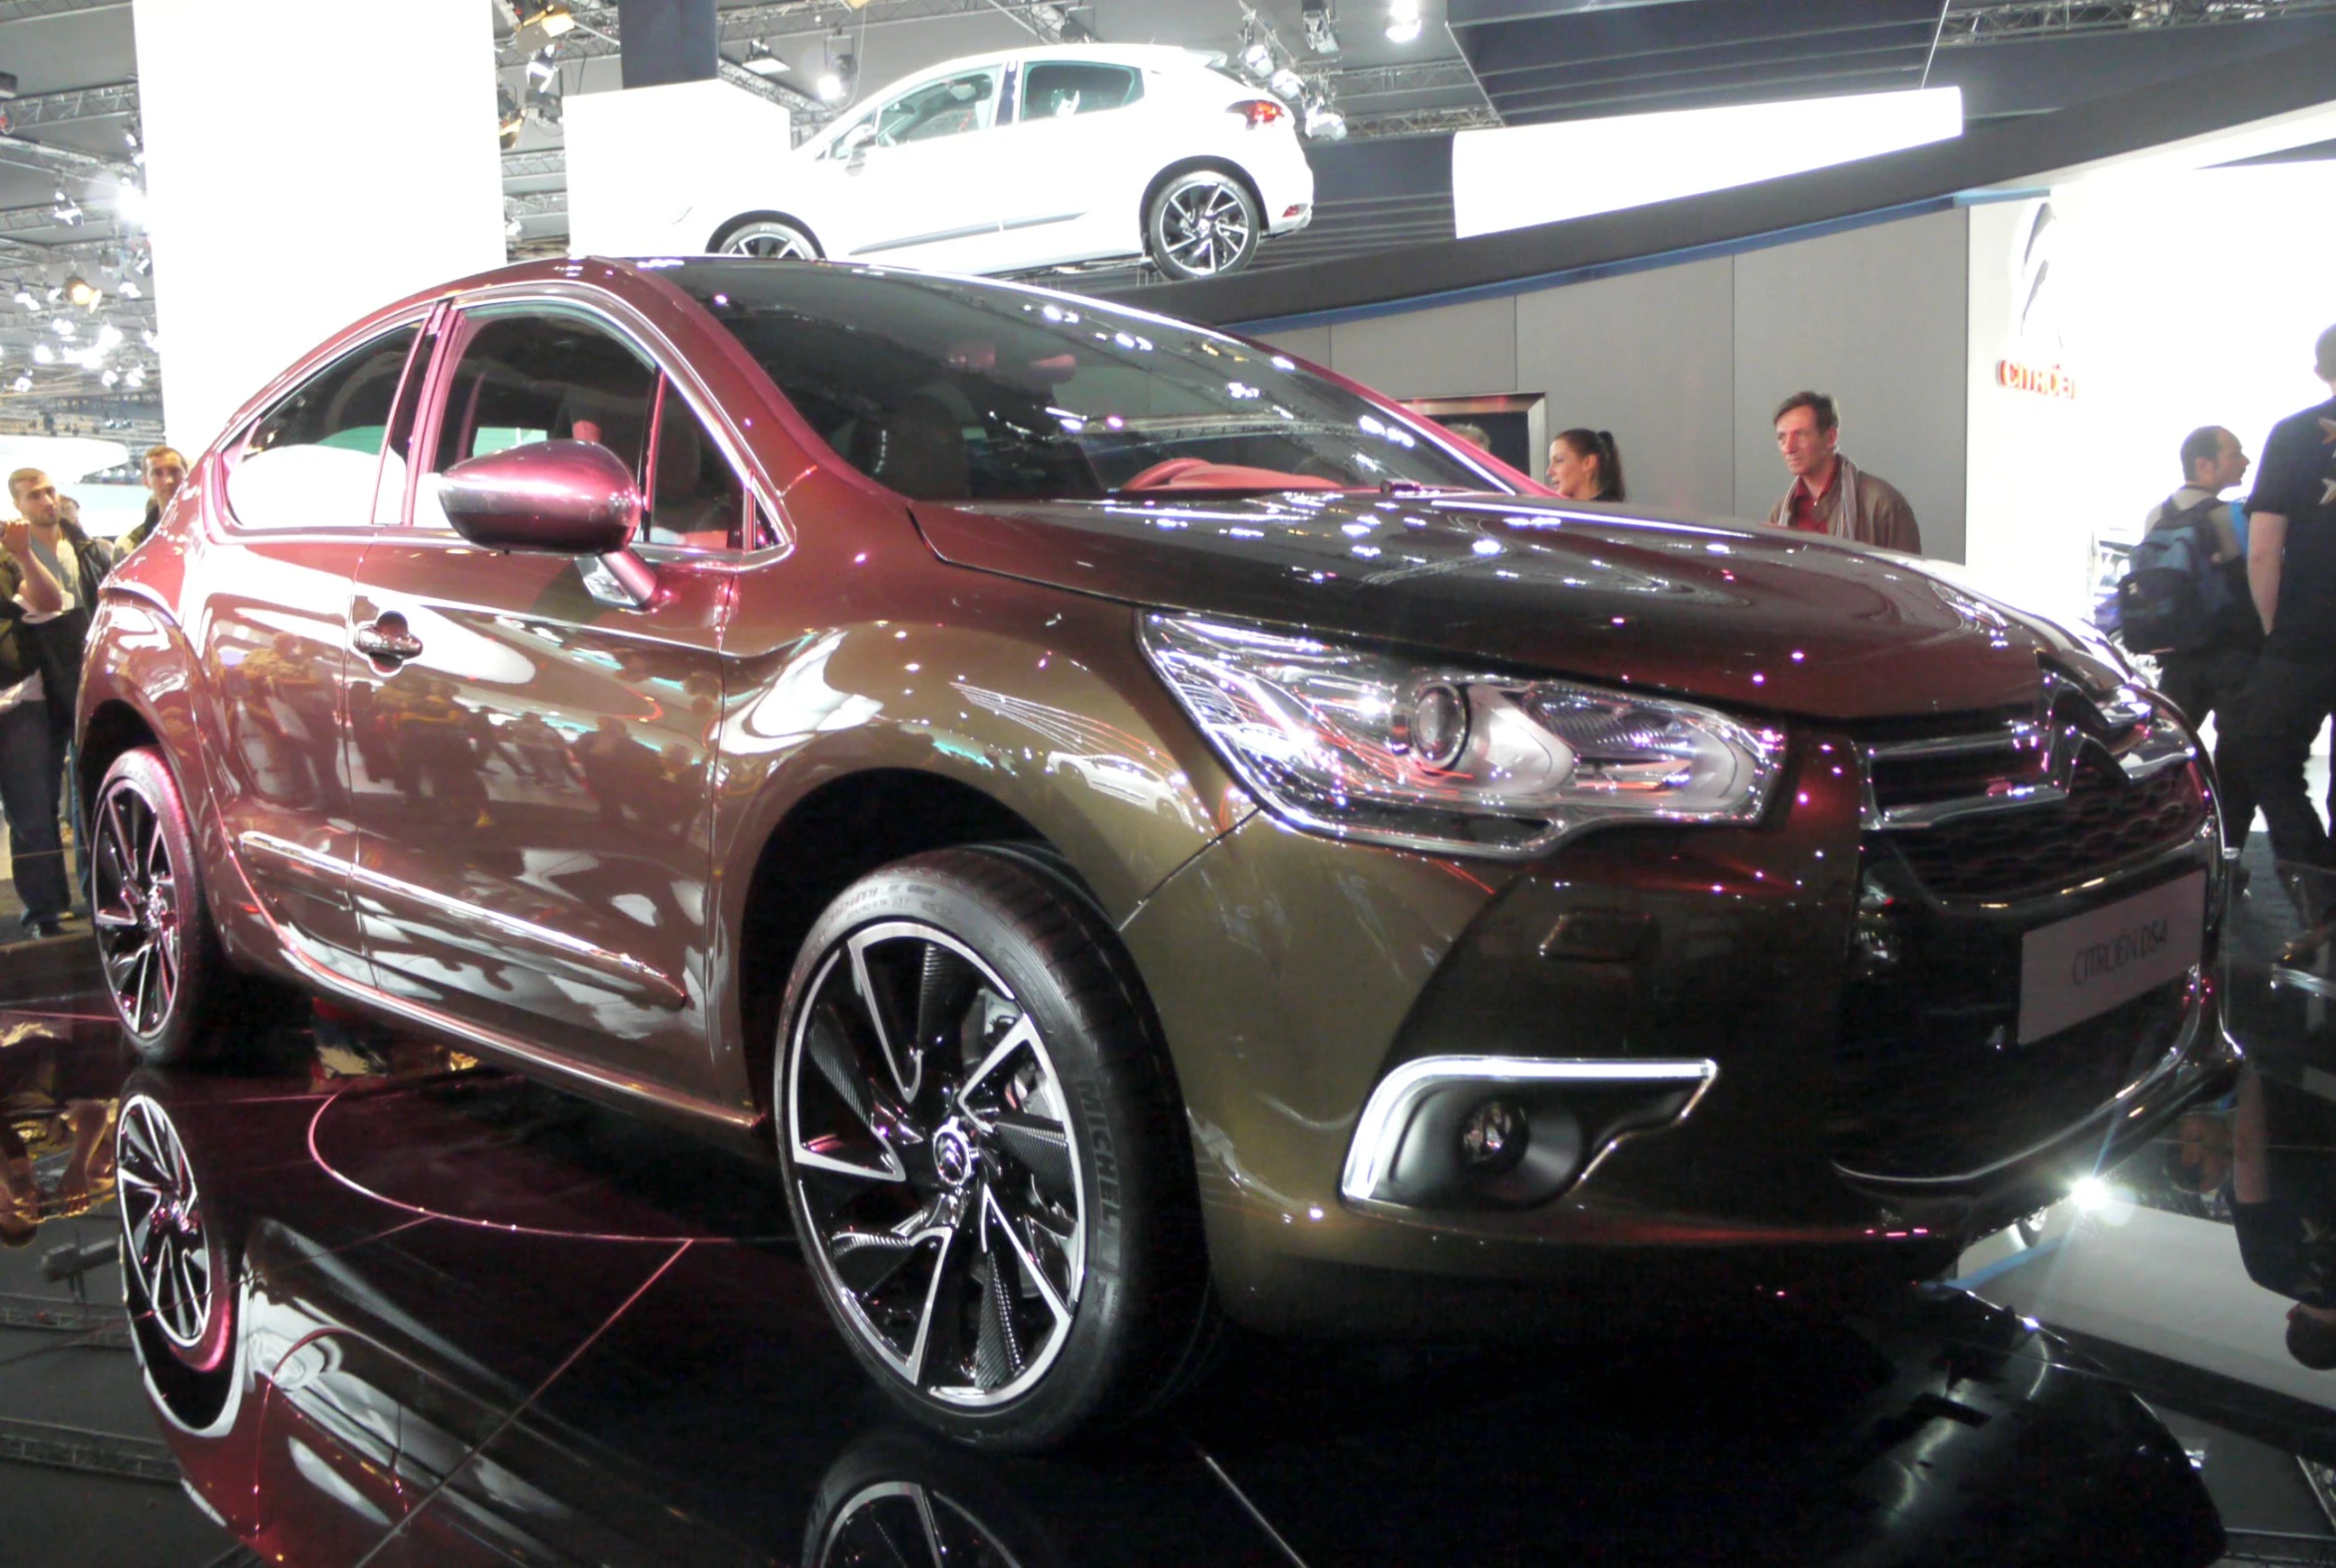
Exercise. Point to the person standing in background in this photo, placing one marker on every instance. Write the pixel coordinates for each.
(1474, 435)
(76, 564)
(2291, 569)
(1584, 465)
(1830, 494)
(161, 471)
(28, 770)
(2211, 680)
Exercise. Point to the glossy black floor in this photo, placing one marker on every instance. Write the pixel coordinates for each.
(462, 1319)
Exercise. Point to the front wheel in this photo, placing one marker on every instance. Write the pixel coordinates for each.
(772, 237)
(1203, 224)
(163, 964)
(983, 1151)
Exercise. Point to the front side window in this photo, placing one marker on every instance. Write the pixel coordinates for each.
(946, 107)
(1059, 88)
(312, 461)
(530, 377)
(946, 389)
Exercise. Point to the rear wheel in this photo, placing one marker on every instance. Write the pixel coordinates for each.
(774, 238)
(163, 964)
(1203, 224)
(983, 1151)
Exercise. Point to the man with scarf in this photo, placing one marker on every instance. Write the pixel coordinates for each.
(1830, 493)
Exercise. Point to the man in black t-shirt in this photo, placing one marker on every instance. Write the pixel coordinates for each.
(2291, 568)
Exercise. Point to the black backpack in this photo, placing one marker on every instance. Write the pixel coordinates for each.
(2174, 598)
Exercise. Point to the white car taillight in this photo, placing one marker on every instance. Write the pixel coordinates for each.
(1258, 112)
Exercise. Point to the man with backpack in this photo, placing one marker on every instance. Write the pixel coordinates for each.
(2185, 602)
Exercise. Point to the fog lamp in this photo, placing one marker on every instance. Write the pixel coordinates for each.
(1494, 1138)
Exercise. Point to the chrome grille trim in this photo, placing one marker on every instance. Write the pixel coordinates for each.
(2040, 756)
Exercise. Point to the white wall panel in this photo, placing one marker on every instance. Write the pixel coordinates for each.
(305, 163)
(1876, 317)
(1522, 175)
(660, 168)
(1442, 352)
(1648, 356)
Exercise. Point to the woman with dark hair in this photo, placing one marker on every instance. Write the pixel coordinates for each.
(1584, 465)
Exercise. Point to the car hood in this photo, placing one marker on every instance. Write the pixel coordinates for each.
(1725, 611)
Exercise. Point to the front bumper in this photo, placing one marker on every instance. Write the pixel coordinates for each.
(1312, 990)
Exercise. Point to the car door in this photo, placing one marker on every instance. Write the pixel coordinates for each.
(1071, 166)
(294, 504)
(535, 758)
(920, 181)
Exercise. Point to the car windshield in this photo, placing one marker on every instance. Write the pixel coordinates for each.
(946, 389)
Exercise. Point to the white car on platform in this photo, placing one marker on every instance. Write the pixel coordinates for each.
(1038, 158)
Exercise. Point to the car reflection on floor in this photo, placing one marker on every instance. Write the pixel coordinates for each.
(390, 1307)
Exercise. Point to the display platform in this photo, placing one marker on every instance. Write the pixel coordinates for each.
(411, 1309)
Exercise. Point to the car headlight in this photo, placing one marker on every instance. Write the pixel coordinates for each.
(1364, 745)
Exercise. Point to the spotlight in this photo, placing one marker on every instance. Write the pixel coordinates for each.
(108, 338)
(1324, 122)
(44, 355)
(25, 296)
(137, 376)
(65, 210)
(1319, 37)
(843, 72)
(762, 62)
(1403, 21)
(110, 379)
(551, 16)
(22, 384)
(1286, 84)
(543, 70)
(129, 204)
(1256, 59)
(81, 291)
(130, 289)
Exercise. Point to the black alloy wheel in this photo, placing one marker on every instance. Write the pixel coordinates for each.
(1203, 224)
(163, 966)
(963, 1051)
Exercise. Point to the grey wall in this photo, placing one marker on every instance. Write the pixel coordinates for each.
(1878, 317)
(1685, 362)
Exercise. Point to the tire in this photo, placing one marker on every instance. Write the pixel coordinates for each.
(1203, 224)
(1009, 1272)
(163, 964)
(767, 235)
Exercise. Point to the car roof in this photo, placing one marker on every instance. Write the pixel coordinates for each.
(1158, 57)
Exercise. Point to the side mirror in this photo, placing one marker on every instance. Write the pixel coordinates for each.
(557, 497)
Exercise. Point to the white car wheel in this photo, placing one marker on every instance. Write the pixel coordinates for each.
(768, 236)
(1203, 224)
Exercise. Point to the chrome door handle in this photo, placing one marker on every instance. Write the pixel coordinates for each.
(387, 640)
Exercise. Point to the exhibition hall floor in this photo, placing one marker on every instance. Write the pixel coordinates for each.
(465, 1319)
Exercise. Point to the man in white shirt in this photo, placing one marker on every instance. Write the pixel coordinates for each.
(30, 767)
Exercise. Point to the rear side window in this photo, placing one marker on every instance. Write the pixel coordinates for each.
(1059, 88)
(312, 461)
